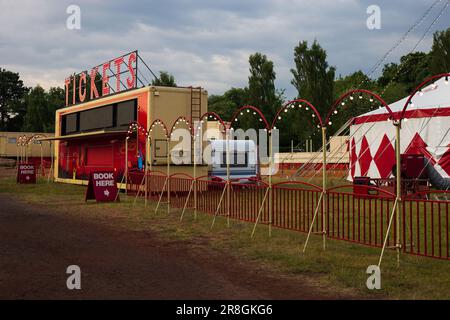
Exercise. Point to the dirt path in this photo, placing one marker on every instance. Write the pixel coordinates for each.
(36, 246)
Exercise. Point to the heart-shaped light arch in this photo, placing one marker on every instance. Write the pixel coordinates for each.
(291, 105)
(418, 89)
(341, 103)
(249, 108)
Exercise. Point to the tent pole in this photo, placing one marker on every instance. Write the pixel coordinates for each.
(168, 175)
(228, 185)
(324, 187)
(146, 168)
(398, 126)
(270, 182)
(195, 178)
(396, 207)
(126, 164)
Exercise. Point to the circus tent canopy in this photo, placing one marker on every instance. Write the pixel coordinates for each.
(425, 130)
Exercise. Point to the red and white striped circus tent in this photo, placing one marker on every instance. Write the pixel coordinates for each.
(425, 130)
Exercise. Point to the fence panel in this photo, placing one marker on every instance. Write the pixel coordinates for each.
(180, 184)
(425, 228)
(246, 200)
(293, 206)
(209, 195)
(134, 180)
(361, 217)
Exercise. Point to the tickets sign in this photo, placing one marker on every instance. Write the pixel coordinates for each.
(26, 173)
(113, 76)
(102, 187)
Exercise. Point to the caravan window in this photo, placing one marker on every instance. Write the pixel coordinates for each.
(237, 160)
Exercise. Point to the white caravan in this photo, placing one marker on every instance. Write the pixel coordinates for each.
(243, 158)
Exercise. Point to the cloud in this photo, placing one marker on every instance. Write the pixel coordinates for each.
(202, 42)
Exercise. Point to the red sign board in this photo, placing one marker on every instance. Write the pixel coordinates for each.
(102, 187)
(113, 76)
(26, 173)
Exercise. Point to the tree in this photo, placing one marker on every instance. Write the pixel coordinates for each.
(225, 105)
(356, 80)
(440, 52)
(41, 107)
(12, 92)
(261, 86)
(165, 79)
(413, 68)
(314, 80)
(313, 77)
(55, 99)
(36, 110)
(388, 74)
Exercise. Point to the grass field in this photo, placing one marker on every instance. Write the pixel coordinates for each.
(341, 267)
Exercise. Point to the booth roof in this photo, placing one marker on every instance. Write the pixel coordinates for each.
(434, 101)
(91, 134)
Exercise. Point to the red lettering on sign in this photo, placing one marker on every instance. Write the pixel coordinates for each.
(82, 87)
(67, 83)
(94, 92)
(117, 63)
(105, 79)
(131, 82)
(74, 91)
(107, 76)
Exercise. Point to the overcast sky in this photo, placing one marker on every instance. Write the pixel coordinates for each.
(204, 42)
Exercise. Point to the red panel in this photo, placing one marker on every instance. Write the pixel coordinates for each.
(100, 156)
(410, 114)
(365, 158)
(353, 157)
(444, 162)
(385, 157)
(418, 146)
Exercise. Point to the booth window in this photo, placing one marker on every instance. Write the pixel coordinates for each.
(126, 113)
(97, 118)
(12, 140)
(71, 123)
(114, 116)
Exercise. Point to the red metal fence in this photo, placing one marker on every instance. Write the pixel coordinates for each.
(358, 217)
